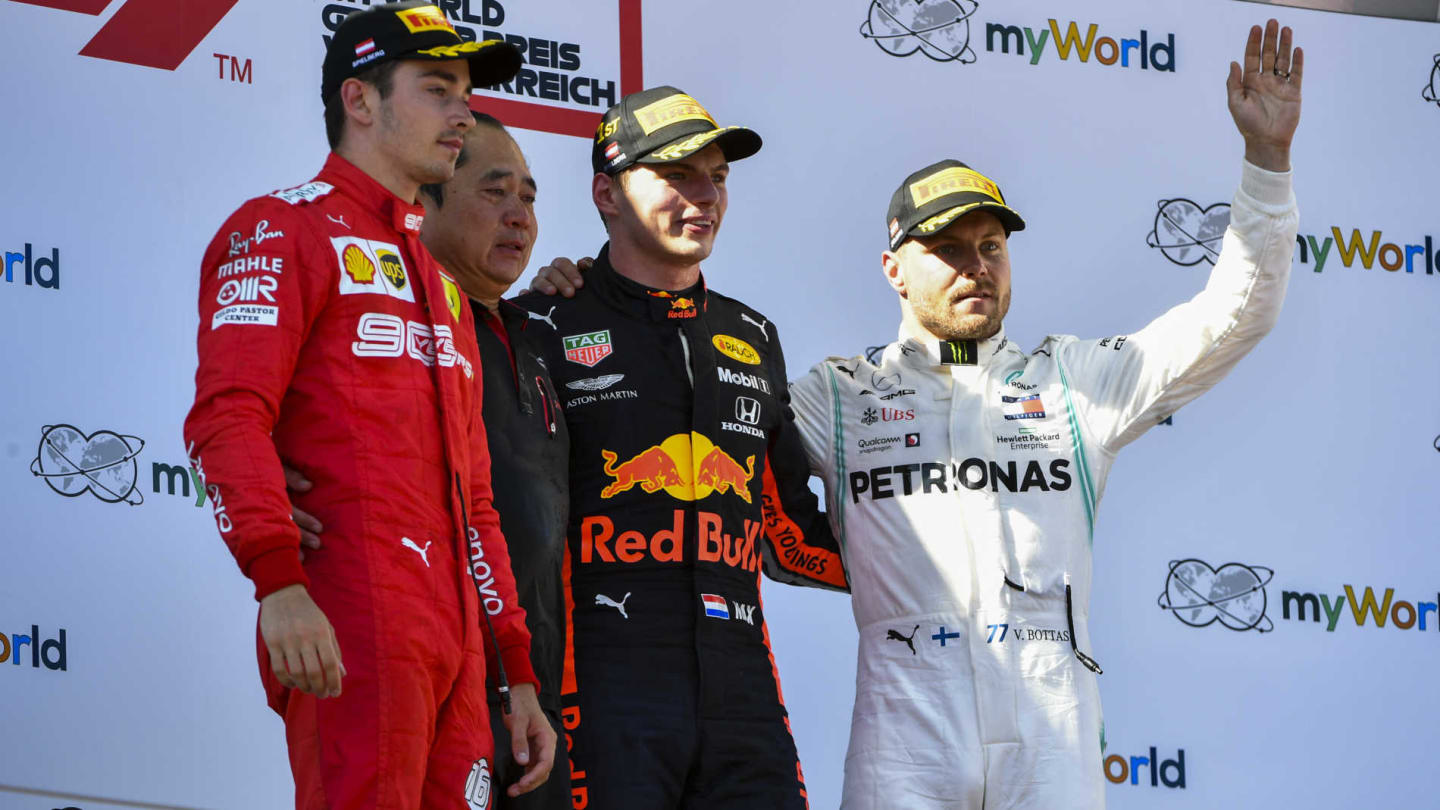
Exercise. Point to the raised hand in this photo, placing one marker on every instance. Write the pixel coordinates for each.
(1265, 96)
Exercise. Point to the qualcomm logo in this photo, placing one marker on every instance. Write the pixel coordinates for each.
(1233, 594)
(1188, 234)
(940, 29)
(1432, 90)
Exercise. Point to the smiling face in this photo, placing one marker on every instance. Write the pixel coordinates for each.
(483, 228)
(419, 128)
(667, 212)
(955, 284)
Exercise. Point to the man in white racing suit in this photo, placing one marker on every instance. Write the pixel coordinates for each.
(968, 524)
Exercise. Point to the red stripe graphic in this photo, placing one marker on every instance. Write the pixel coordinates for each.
(78, 6)
(156, 33)
(632, 65)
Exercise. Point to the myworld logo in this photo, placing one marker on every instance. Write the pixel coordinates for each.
(149, 33)
(1234, 595)
(940, 29)
(1188, 233)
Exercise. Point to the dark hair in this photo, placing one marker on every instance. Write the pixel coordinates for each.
(381, 75)
(436, 191)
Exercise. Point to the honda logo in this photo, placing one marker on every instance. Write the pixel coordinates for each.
(747, 410)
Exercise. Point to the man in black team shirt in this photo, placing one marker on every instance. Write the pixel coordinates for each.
(687, 478)
(480, 225)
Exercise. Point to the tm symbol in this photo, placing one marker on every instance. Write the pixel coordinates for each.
(238, 72)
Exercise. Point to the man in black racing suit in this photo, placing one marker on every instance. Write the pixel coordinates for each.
(687, 480)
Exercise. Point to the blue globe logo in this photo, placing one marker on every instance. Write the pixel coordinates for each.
(940, 29)
(102, 463)
(1233, 594)
(1188, 234)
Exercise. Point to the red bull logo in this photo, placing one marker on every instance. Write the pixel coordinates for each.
(600, 542)
(721, 473)
(653, 470)
(682, 308)
(671, 466)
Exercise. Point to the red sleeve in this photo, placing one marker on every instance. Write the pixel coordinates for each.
(256, 306)
(489, 555)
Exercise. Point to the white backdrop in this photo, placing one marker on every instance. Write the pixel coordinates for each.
(1312, 467)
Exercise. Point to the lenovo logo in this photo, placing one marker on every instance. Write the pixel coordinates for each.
(149, 33)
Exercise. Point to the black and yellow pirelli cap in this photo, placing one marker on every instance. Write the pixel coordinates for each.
(660, 125)
(410, 30)
(937, 195)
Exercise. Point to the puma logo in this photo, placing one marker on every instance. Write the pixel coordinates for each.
(745, 316)
(894, 635)
(546, 317)
(339, 219)
(410, 544)
(602, 599)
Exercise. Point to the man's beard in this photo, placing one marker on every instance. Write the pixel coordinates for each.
(947, 324)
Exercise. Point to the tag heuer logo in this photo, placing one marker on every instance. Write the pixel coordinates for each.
(588, 349)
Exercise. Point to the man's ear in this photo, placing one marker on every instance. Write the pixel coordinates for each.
(890, 266)
(603, 189)
(361, 101)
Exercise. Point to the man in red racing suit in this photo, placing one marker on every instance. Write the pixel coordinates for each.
(329, 339)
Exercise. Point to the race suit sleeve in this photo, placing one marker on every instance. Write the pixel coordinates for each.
(1126, 384)
(490, 556)
(799, 547)
(247, 354)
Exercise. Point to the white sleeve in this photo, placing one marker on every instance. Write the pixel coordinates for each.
(810, 400)
(1124, 385)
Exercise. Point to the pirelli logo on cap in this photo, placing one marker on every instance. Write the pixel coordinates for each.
(952, 180)
(671, 110)
(425, 18)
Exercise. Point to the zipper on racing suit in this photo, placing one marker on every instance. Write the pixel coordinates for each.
(1090, 663)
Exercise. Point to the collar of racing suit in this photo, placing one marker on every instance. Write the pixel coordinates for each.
(346, 176)
(935, 354)
(639, 301)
